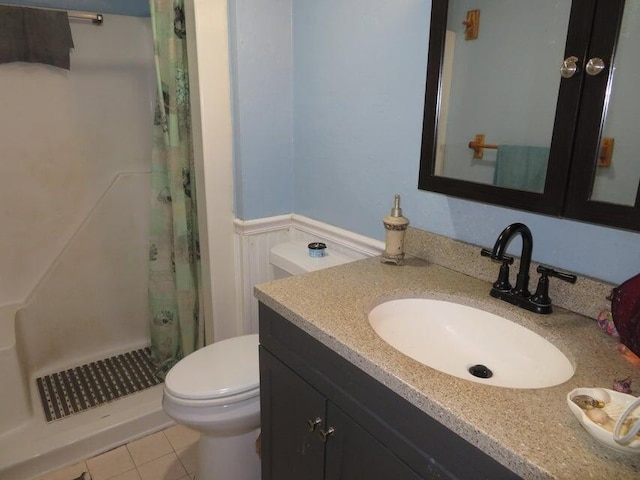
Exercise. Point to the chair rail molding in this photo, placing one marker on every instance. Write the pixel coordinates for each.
(255, 238)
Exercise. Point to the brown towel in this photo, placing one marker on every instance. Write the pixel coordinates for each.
(35, 35)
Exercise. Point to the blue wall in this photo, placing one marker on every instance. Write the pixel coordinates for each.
(139, 8)
(358, 88)
(359, 74)
(260, 43)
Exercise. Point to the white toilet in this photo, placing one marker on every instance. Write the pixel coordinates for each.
(216, 390)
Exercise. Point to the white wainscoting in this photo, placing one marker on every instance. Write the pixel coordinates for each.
(256, 237)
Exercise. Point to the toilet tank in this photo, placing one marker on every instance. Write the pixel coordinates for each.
(292, 258)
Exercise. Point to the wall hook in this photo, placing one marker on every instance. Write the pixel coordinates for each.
(472, 24)
(606, 152)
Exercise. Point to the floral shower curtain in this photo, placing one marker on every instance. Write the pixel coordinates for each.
(174, 255)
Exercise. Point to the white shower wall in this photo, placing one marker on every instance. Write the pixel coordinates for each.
(75, 159)
(74, 209)
(65, 136)
(92, 303)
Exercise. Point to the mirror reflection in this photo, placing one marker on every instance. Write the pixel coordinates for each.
(499, 92)
(617, 175)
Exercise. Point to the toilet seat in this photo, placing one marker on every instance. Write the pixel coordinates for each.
(211, 402)
(221, 373)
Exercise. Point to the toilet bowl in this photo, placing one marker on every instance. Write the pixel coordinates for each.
(216, 391)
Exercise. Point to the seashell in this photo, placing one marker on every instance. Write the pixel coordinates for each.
(601, 395)
(598, 416)
(586, 402)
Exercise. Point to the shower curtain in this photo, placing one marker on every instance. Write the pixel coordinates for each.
(174, 256)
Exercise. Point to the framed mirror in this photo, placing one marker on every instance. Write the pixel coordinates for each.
(506, 109)
(603, 185)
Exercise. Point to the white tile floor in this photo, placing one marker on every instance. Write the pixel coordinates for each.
(166, 455)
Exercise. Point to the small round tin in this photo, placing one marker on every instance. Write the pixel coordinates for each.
(317, 249)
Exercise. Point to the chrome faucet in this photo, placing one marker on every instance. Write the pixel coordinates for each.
(520, 295)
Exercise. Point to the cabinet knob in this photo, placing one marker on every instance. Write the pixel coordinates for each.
(325, 434)
(569, 67)
(595, 66)
(312, 424)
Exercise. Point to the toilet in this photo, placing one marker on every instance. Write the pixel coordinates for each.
(216, 390)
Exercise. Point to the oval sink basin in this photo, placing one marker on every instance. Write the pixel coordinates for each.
(470, 343)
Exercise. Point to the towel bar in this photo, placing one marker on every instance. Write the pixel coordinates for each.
(96, 18)
(604, 158)
(478, 146)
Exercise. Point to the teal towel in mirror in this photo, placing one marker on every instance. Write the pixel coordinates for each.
(521, 167)
(35, 35)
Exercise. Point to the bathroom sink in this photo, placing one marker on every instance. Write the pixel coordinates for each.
(470, 343)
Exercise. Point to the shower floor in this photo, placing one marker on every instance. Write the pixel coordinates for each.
(39, 445)
(93, 384)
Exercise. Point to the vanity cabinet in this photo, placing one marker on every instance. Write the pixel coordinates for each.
(324, 418)
(309, 437)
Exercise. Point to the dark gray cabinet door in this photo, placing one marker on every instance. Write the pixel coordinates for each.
(290, 450)
(293, 449)
(354, 454)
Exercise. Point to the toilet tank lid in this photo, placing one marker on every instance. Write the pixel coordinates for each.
(293, 257)
(222, 369)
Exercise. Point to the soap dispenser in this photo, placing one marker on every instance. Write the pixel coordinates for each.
(396, 226)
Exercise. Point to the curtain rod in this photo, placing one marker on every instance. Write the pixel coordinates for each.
(96, 18)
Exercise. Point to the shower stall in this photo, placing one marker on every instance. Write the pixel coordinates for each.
(75, 183)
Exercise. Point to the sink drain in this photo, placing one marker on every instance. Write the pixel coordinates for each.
(480, 371)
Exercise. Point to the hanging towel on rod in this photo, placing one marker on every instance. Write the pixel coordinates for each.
(521, 167)
(35, 35)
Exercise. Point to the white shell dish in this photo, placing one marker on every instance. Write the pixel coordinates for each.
(615, 405)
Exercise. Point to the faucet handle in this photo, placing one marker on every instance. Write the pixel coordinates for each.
(567, 277)
(502, 283)
(485, 252)
(541, 297)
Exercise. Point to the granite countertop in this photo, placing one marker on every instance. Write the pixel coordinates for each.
(532, 432)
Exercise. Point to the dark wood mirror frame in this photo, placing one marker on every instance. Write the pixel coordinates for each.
(579, 117)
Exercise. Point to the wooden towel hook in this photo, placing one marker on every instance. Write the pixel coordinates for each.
(472, 25)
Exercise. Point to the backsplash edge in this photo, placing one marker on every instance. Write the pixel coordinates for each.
(586, 297)
(254, 239)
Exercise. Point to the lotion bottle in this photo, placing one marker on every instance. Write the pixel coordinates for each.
(396, 226)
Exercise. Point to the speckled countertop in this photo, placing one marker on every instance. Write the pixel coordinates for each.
(532, 432)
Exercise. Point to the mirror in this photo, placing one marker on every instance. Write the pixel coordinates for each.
(502, 88)
(617, 177)
(524, 116)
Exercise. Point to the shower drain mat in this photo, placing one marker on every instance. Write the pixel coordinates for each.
(94, 384)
